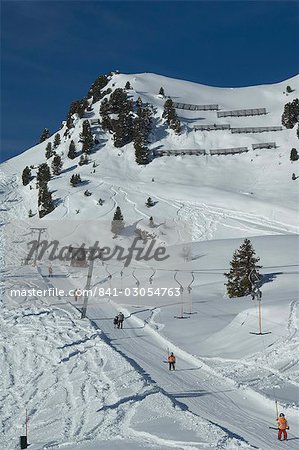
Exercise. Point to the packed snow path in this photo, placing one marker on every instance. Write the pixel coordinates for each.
(243, 414)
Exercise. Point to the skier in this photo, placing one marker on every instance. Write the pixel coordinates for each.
(171, 361)
(121, 319)
(283, 426)
(115, 321)
(50, 272)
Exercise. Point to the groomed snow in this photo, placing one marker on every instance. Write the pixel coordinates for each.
(89, 386)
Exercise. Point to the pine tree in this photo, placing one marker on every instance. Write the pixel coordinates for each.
(43, 174)
(118, 101)
(294, 177)
(96, 88)
(171, 117)
(49, 151)
(151, 222)
(161, 92)
(104, 113)
(294, 155)
(289, 89)
(57, 140)
(45, 135)
(118, 221)
(149, 203)
(141, 130)
(26, 176)
(128, 86)
(75, 179)
(45, 201)
(86, 137)
(290, 114)
(123, 128)
(72, 150)
(30, 213)
(57, 165)
(243, 266)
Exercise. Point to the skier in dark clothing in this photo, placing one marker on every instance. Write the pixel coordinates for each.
(121, 319)
(115, 321)
(171, 361)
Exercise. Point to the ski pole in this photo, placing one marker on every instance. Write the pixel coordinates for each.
(276, 409)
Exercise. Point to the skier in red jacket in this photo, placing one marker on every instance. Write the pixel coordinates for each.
(283, 426)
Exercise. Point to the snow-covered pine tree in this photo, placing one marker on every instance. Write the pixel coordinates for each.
(26, 176)
(118, 221)
(161, 91)
(122, 126)
(86, 137)
(57, 165)
(141, 131)
(45, 201)
(104, 113)
(43, 174)
(72, 150)
(128, 86)
(49, 151)
(171, 117)
(290, 114)
(45, 135)
(75, 179)
(243, 265)
(294, 155)
(96, 89)
(57, 140)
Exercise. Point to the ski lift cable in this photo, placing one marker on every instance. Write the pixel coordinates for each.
(208, 271)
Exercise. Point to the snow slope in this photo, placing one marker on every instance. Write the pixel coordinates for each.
(87, 385)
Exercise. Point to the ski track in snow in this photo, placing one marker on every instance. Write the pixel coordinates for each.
(81, 384)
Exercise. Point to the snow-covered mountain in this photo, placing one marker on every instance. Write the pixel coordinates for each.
(258, 181)
(84, 386)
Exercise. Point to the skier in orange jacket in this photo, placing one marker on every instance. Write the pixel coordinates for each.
(171, 361)
(282, 426)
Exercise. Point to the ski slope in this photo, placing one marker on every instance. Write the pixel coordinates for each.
(87, 385)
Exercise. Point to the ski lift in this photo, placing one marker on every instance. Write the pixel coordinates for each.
(192, 281)
(152, 276)
(189, 288)
(121, 278)
(137, 281)
(181, 292)
(109, 276)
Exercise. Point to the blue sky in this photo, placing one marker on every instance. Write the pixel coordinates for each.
(52, 51)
